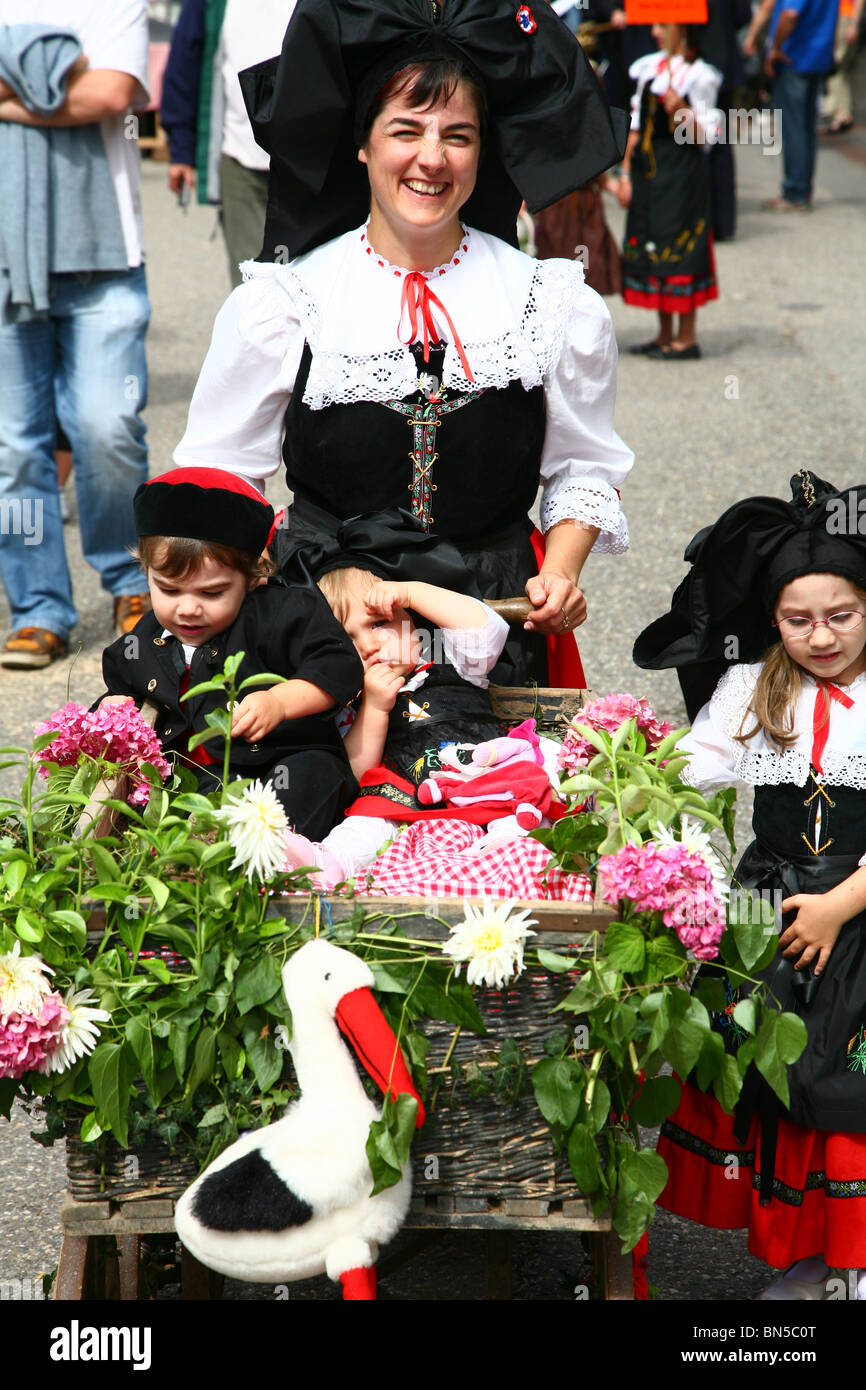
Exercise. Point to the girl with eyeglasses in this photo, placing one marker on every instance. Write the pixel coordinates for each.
(790, 721)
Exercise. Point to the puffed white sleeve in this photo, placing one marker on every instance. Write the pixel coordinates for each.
(584, 461)
(236, 413)
(714, 755)
(474, 651)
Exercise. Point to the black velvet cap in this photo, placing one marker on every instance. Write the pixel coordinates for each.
(551, 129)
(722, 612)
(204, 504)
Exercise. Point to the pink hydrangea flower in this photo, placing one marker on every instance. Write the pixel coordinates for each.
(116, 733)
(609, 713)
(673, 881)
(28, 1040)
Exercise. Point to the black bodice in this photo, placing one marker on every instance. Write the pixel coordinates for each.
(444, 709)
(467, 464)
(785, 820)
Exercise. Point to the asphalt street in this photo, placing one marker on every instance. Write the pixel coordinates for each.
(780, 387)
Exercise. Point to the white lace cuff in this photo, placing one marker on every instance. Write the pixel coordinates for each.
(592, 503)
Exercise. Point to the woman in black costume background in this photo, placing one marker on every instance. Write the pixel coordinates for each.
(419, 360)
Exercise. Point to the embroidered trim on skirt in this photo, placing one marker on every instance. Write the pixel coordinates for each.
(819, 1190)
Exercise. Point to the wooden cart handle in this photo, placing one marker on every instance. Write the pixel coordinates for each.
(513, 610)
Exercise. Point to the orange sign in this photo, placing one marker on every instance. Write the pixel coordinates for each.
(666, 11)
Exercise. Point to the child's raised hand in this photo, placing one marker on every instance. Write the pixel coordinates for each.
(386, 595)
(813, 931)
(255, 715)
(382, 683)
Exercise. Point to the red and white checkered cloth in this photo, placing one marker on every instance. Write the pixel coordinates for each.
(428, 859)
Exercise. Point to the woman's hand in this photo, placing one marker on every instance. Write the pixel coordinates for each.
(623, 191)
(813, 931)
(559, 604)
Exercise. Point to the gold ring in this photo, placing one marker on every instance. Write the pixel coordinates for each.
(566, 622)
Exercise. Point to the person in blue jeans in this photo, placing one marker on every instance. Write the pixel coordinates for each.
(799, 56)
(73, 308)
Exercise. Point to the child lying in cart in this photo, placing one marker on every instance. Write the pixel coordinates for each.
(202, 533)
(423, 740)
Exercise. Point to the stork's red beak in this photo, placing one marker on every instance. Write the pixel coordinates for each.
(363, 1023)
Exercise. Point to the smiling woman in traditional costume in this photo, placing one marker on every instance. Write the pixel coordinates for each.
(417, 359)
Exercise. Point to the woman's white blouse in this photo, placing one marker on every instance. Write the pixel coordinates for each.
(718, 761)
(518, 320)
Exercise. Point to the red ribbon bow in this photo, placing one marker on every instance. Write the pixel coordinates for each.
(821, 719)
(417, 298)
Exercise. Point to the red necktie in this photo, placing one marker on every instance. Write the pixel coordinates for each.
(417, 297)
(821, 719)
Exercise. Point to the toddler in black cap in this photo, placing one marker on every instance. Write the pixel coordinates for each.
(202, 534)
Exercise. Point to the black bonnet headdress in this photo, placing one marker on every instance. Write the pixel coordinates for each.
(551, 129)
(722, 611)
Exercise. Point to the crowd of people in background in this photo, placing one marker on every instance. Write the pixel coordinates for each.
(677, 181)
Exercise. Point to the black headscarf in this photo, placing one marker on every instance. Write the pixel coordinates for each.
(551, 129)
(391, 544)
(722, 612)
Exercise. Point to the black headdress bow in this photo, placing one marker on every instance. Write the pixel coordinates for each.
(551, 129)
(390, 543)
(722, 611)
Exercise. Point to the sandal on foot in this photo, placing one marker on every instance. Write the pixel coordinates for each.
(666, 352)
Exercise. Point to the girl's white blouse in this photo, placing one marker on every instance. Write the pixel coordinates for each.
(717, 761)
(697, 82)
(518, 319)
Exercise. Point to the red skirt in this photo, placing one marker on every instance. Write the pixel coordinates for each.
(818, 1206)
(673, 294)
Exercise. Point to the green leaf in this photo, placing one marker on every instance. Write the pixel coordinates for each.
(204, 687)
(231, 1054)
(746, 1015)
(263, 678)
(157, 968)
(728, 1084)
(90, 1128)
(105, 864)
(559, 1083)
(203, 1057)
(641, 1171)
(159, 891)
(710, 989)
(781, 1038)
(751, 927)
(657, 1098)
(111, 1069)
(389, 1140)
(110, 892)
(15, 874)
(599, 1107)
(203, 736)
(553, 961)
(217, 854)
(75, 924)
(213, 1115)
(666, 957)
(454, 1005)
(255, 983)
(688, 1026)
(625, 947)
(140, 1039)
(28, 927)
(709, 1064)
(178, 1041)
(264, 1058)
(583, 1158)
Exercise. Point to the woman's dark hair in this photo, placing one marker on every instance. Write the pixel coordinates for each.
(424, 85)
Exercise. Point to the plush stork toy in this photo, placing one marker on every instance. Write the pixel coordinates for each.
(293, 1199)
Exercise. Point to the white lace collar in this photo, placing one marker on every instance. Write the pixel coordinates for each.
(509, 310)
(762, 763)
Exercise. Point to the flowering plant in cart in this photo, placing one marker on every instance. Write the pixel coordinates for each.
(647, 838)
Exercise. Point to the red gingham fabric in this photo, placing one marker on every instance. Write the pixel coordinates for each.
(427, 859)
